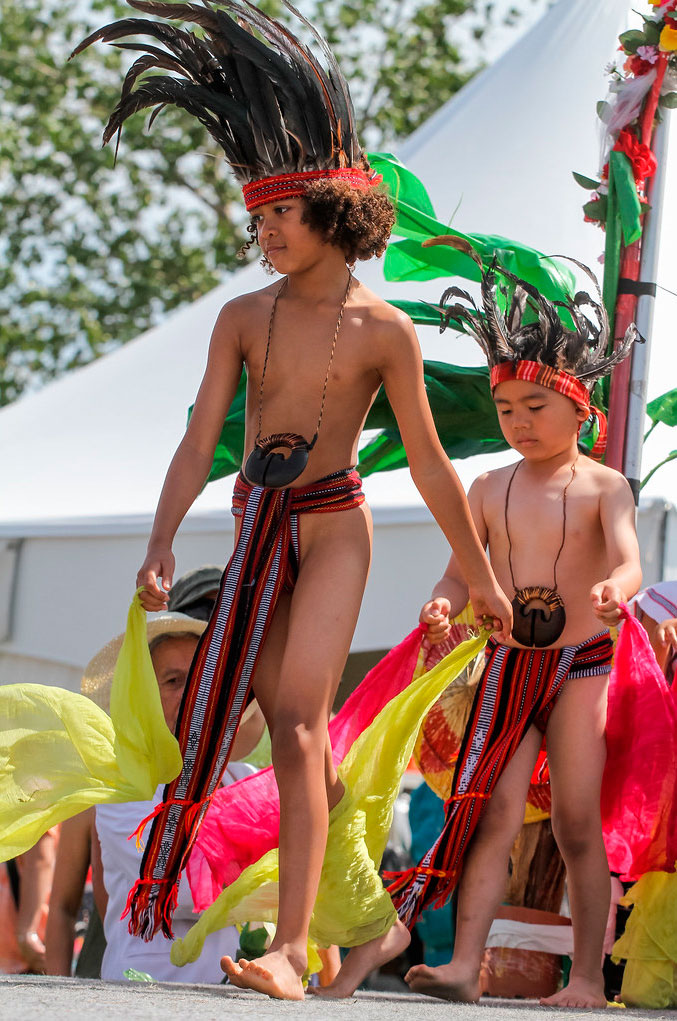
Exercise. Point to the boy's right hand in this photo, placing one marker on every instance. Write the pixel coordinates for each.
(436, 615)
(158, 564)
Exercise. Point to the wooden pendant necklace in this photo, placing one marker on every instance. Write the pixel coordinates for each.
(539, 616)
(266, 465)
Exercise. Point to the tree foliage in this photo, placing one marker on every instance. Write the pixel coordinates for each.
(92, 254)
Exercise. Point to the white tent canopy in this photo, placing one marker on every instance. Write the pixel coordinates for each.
(82, 461)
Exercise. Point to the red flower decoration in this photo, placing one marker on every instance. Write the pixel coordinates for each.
(640, 155)
(637, 66)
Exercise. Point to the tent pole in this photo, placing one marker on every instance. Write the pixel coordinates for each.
(639, 372)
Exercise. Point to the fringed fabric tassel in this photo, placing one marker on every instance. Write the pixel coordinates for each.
(194, 807)
(407, 889)
(146, 916)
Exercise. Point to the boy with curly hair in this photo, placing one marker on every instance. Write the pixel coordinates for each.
(316, 348)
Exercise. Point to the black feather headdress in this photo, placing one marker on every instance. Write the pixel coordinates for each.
(516, 323)
(263, 96)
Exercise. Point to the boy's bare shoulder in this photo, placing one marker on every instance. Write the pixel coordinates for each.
(239, 312)
(387, 325)
(245, 304)
(604, 479)
(495, 479)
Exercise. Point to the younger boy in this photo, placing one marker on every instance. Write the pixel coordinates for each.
(561, 536)
(316, 348)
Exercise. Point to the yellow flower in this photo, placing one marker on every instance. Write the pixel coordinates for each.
(668, 39)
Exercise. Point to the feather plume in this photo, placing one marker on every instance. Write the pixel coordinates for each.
(264, 97)
(532, 329)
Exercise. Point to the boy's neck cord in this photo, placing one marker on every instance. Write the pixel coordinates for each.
(538, 611)
(266, 465)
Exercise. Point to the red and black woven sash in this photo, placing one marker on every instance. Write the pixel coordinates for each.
(264, 563)
(518, 688)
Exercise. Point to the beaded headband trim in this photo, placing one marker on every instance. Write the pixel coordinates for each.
(554, 379)
(287, 186)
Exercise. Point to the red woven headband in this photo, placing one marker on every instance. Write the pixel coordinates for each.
(288, 186)
(554, 379)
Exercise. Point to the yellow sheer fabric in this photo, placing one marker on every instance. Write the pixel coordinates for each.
(649, 943)
(61, 753)
(352, 905)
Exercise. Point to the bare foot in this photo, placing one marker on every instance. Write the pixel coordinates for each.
(581, 992)
(233, 971)
(273, 974)
(362, 960)
(448, 982)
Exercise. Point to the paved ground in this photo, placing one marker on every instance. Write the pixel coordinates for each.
(25, 998)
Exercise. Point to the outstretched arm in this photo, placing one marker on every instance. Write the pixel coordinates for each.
(617, 514)
(435, 478)
(192, 461)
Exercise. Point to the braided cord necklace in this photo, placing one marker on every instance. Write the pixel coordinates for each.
(539, 616)
(266, 465)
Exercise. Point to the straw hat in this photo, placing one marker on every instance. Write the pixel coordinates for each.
(98, 676)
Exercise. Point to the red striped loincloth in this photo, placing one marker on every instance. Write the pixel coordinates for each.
(518, 688)
(265, 562)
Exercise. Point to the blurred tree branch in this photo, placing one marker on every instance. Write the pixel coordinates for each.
(92, 254)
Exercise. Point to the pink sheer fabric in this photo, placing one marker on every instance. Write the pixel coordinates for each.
(242, 822)
(639, 810)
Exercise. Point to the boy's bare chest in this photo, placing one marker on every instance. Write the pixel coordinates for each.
(535, 522)
(301, 357)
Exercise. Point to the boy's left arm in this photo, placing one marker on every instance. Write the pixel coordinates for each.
(401, 369)
(617, 514)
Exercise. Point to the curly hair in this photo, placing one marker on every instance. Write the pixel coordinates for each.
(359, 222)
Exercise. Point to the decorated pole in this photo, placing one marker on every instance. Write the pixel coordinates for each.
(634, 154)
(637, 389)
(639, 148)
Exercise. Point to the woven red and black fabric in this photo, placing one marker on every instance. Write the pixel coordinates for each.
(265, 562)
(287, 186)
(554, 379)
(518, 688)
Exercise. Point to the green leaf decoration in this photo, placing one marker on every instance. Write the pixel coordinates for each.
(652, 32)
(612, 264)
(585, 182)
(669, 100)
(664, 408)
(420, 312)
(602, 109)
(464, 413)
(631, 39)
(596, 209)
(666, 460)
(622, 179)
(403, 186)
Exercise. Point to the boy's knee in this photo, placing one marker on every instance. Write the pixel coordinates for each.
(501, 821)
(295, 738)
(575, 834)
